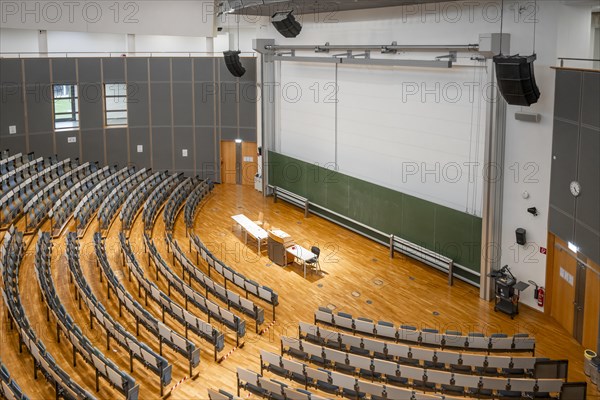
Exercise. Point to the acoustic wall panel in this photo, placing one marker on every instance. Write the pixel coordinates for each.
(183, 106)
(39, 108)
(589, 100)
(160, 99)
(92, 145)
(113, 70)
(160, 69)
(576, 157)
(41, 144)
(184, 140)
(151, 108)
(64, 70)
(116, 146)
(181, 69)
(138, 108)
(162, 148)
(90, 70)
(37, 70)
(65, 146)
(11, 109)
(137, 70)
(91, 114)
(139, 137)
(11, 72)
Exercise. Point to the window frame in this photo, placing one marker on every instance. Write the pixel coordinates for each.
(74, 103)
(115, 96)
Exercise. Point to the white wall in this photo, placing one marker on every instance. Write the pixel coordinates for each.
(174, 17)
(73, 42)
(18, 41)
(562, 30)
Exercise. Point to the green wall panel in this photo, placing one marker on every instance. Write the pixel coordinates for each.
(450, 232)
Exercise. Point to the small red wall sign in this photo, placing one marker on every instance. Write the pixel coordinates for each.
(543, 250)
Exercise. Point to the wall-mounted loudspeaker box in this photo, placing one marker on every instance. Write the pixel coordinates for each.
(521, 236)
(516, 79)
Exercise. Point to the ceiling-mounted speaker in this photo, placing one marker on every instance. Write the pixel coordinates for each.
(516, 79)
(286, 24)
(233, 63)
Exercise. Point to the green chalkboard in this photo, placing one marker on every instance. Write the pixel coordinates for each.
(447, 231)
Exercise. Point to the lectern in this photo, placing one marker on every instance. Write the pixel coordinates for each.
(277, 243)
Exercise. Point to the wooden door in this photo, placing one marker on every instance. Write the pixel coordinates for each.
(228, 162)
(591, 308)
(249, 163)
(563, 286)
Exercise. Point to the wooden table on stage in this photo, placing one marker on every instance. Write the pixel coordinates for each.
(251, 228)
(301, 254)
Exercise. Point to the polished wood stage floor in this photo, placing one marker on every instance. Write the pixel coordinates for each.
(359, 278)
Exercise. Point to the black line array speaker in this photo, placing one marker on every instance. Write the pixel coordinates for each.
(516, 79)
(521, 236)
(233, 63)
(286, 24)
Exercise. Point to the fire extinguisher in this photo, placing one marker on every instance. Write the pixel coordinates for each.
(540, 296)
(538, 293)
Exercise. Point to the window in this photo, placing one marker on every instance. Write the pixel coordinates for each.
(66, 107)
(115, 97)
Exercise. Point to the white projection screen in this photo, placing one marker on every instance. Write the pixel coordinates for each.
(420, 131)
(307, 117)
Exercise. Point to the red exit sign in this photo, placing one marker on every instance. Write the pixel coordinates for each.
(543, 250)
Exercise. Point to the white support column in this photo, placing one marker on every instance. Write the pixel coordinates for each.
(43, 42)
(210, 44)
(131, 43)
(493, 187)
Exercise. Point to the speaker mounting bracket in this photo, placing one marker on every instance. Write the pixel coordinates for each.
(452, 57)
(319, 49)
(387, 50)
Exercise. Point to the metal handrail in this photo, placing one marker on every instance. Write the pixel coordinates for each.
(440, 261)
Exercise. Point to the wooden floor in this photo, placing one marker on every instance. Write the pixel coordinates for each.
(359, 278)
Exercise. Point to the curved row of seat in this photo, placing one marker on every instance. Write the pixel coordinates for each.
(227, 296)
(208, 307)
(420, 377)
(193, 200)
(65, 206)
(11, 253)
(176, 199)
(136, 349)
(36, 209)
(103, 366)
(188, 320)
(19, 175)
(268, 388)
(221, 394)
(162, 332)
(427, 357)
(337, 383)
(405, 333)
(13, 202)
(91, 202)
(157, 198)
(113, 201)
(12, 162)
(9, 388)
(249, 286)
(137, 197)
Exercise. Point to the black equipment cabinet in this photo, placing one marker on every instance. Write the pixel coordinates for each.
(507, 291)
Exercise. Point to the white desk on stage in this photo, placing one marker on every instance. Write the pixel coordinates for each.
(250, 227)
(302, 254)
